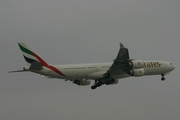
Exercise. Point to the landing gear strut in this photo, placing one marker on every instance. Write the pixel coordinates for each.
(106, 80)
(97, 84)
(163, 78)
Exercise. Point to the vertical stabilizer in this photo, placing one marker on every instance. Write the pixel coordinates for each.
(29, 55)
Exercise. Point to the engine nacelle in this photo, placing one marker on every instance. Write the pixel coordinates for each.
(136, 72)
(136, 64)
(82, 82)
(115, 82)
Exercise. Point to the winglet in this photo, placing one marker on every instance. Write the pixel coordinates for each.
(123, 53)
(121, 45)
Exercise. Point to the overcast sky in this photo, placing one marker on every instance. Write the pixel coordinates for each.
(88, 31)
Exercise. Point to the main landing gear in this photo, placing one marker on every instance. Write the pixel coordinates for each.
(163, 78)
(97, 84)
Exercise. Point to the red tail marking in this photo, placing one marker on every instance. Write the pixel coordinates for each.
(43, 63)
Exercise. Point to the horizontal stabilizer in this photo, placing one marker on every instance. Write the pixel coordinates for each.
(17, 71)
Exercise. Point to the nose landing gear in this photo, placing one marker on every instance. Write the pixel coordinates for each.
(163, 78)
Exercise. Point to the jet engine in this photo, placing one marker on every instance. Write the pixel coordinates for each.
(136, 72)
(82, 82)
(135, 64)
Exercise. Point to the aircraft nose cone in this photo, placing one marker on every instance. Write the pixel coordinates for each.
(173, 67)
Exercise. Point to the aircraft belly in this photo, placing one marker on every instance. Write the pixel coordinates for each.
(153, 71)
(96, 75)
(77, 74)
(48, 73)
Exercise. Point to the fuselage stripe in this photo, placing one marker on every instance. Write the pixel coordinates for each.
(43, 63)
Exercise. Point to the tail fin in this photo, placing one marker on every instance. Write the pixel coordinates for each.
(30, 56)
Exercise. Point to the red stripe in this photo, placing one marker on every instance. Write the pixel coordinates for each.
(48, 66)
(40, 60)
(55, 70)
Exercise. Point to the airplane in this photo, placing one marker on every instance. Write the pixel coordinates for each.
(102, 73)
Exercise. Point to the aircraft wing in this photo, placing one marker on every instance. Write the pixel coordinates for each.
(119, 66)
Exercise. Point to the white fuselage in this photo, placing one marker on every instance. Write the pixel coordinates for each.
(96, 70)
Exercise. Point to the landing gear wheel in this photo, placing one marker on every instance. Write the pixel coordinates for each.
(110, 81)
(163, 78)
(93, 87)
(107, 83)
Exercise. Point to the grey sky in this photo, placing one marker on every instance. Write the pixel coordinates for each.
(83, 31)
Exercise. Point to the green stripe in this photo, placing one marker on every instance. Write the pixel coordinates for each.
(25, 50)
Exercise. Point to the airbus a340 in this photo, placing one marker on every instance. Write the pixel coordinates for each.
(101, 73)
